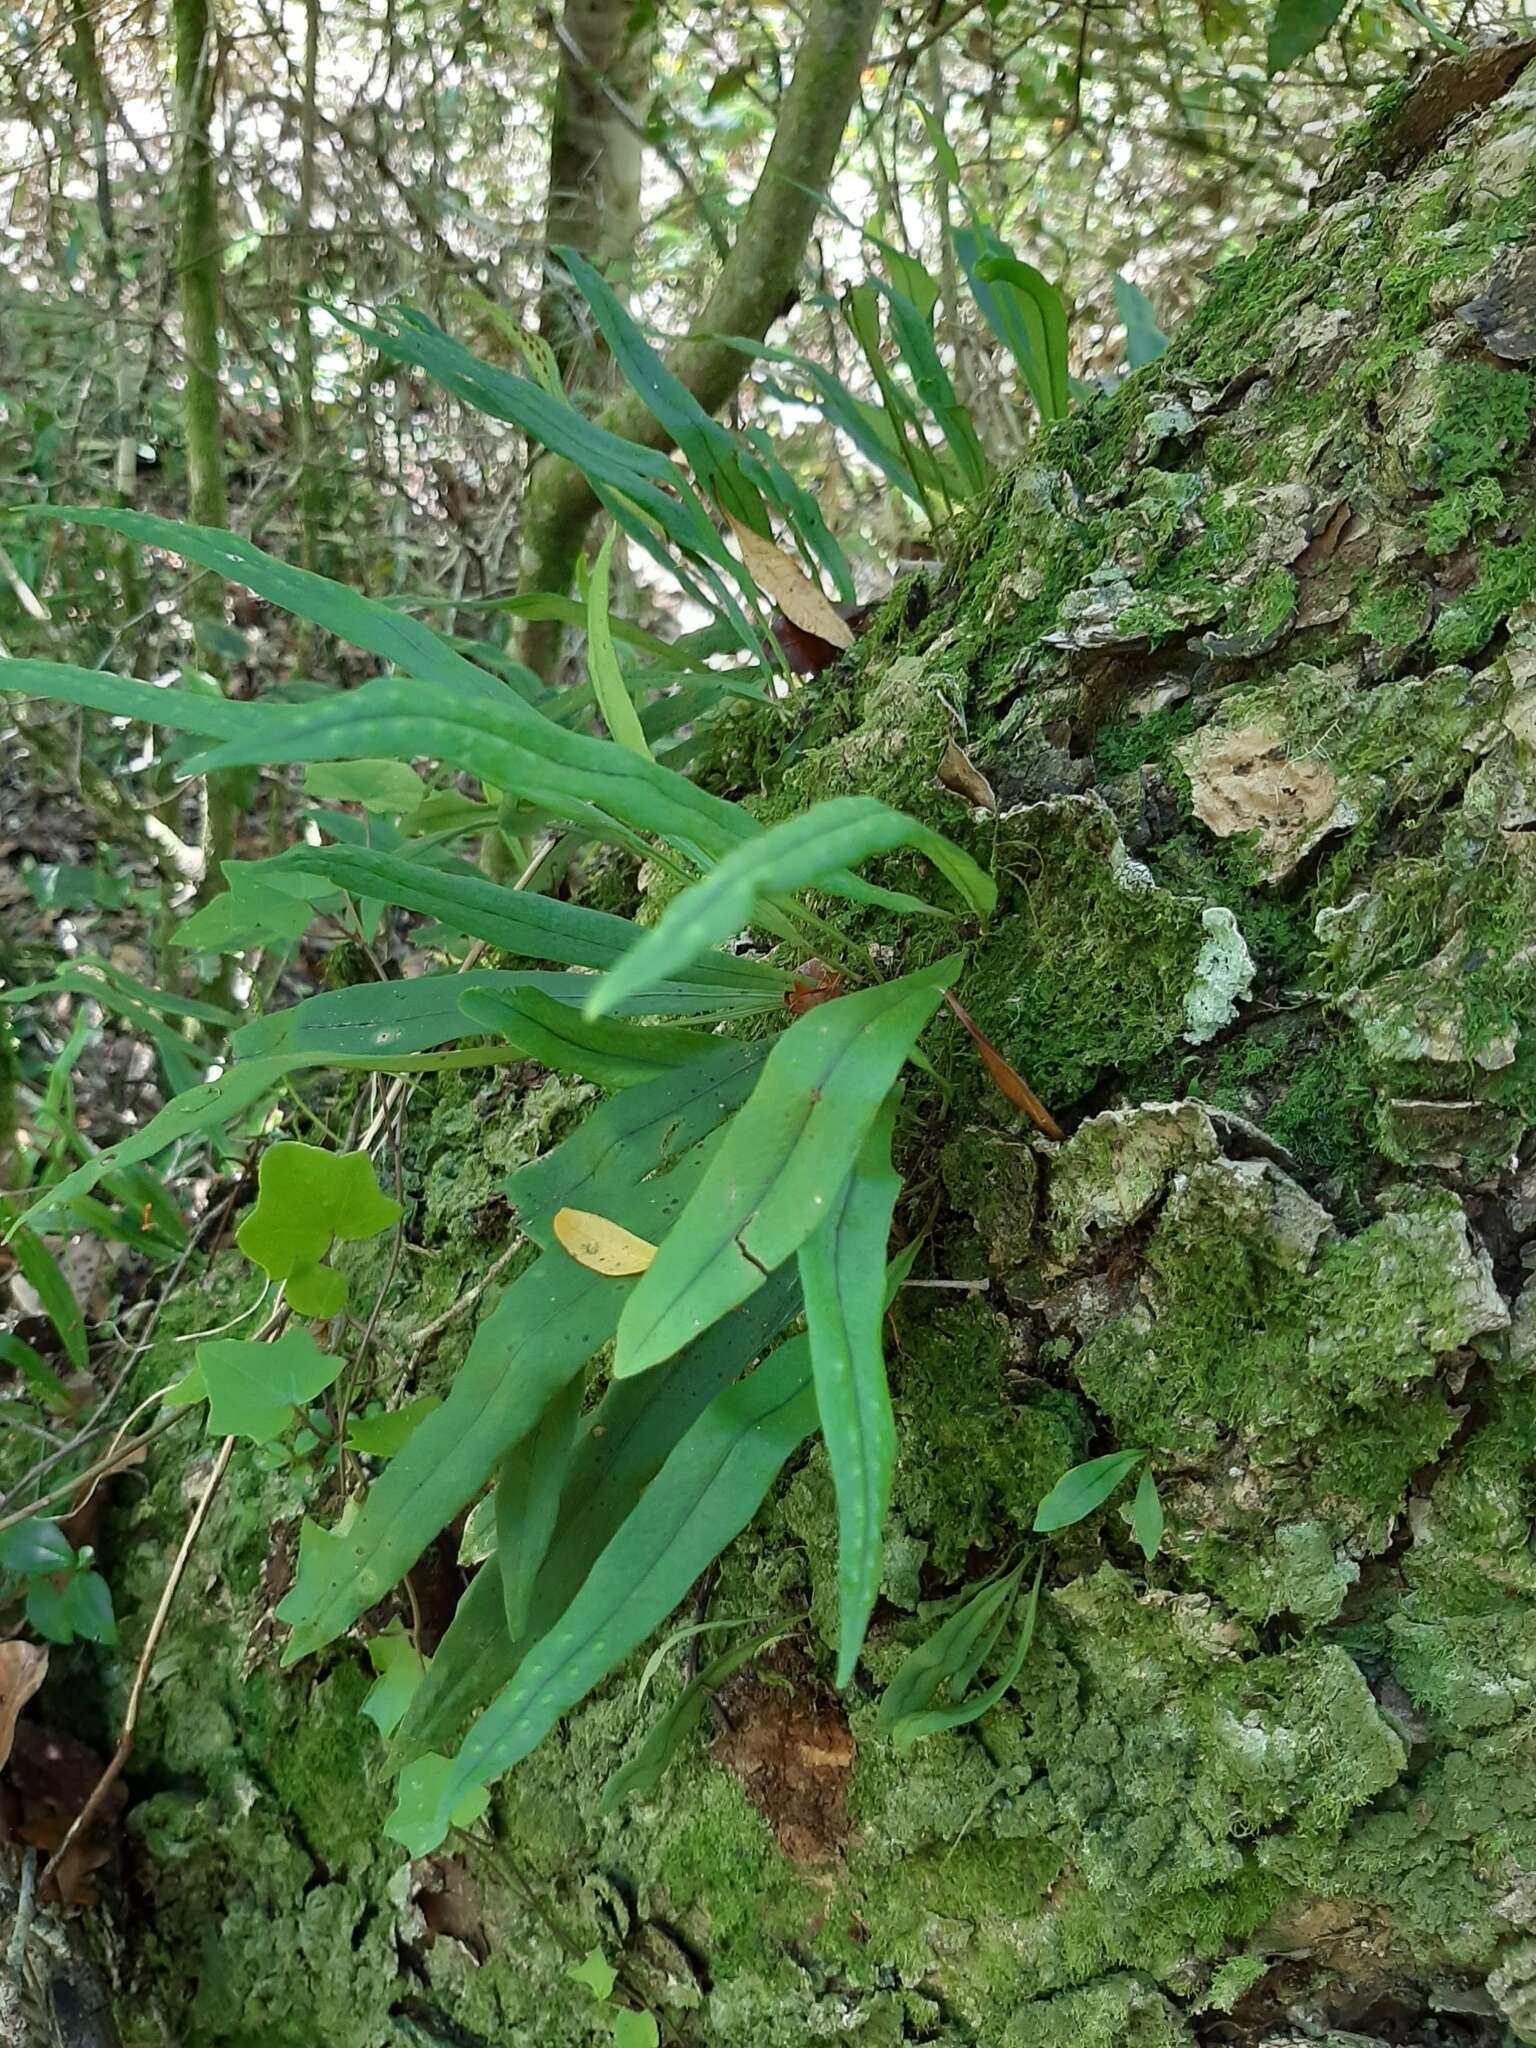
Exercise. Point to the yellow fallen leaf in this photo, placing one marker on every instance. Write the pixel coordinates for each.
(601, 1246)
(796, 596)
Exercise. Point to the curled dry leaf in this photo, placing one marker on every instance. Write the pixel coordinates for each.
(959, 774)
(796, 596)
(1005, 1079)
(23, 1667)
(599, 1245)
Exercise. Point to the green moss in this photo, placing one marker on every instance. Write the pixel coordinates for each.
(1393, 614)
(1506, 580)
(1482, 421)
(1448, 520)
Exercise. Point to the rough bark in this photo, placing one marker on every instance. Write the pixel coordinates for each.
(755, 285)
(1249, 654)
(594, 163)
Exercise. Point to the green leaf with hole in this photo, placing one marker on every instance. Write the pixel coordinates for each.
(1086, 1487)
(705, 1494)
(254, 1388)
(843, 1278)
(604, 1050)
(800, 853)
(307, 1200)
(780, 1166)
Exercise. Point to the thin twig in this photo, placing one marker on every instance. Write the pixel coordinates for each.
(465, 1301)
(121, 1754)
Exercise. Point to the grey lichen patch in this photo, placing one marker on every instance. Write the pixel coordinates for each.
(1223, 977)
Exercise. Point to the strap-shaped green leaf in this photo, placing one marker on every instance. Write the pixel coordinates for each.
(624, 1442)
(1078, 1492)
(801, 853)
(1035, 297)
(389, 1019)
(843, 1278)
(643, 1130)
(780, 1166)
(911, 1727)
(603, 671)
(704, 1496)
(709, 448)
(513, 920)
(529, 1484)
(612, 1054)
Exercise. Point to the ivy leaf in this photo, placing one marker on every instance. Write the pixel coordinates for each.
(254, 1388)
(596, 1972)
(33, 1547)
(416, 1820)
(67, 1605)
(383, 1436)
(387, 786)
(634, 2029)
(1147, 1516)
(306, 1199)
(1078, 1492)
(1297, 27)
(400, 1667)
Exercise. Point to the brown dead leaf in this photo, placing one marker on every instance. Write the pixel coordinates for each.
(600, 1245)
(959, 773)
(23, 1667)
(782, 579)
(1008, 1083)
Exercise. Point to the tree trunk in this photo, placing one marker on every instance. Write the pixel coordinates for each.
(755, 286)
(198, 257)
(1248, 654)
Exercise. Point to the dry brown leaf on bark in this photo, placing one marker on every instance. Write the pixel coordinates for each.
(601, 1245)
(23, 1667)
(778, 576)
(959, 774)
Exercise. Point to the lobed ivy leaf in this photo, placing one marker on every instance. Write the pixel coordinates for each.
(399, 1667)
(1078, 1492)
(307, 1199)
(780, 1165)
(425, 1810)
(843, 1278)
(386, 1435)
(390, 787)
(254, 1388)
